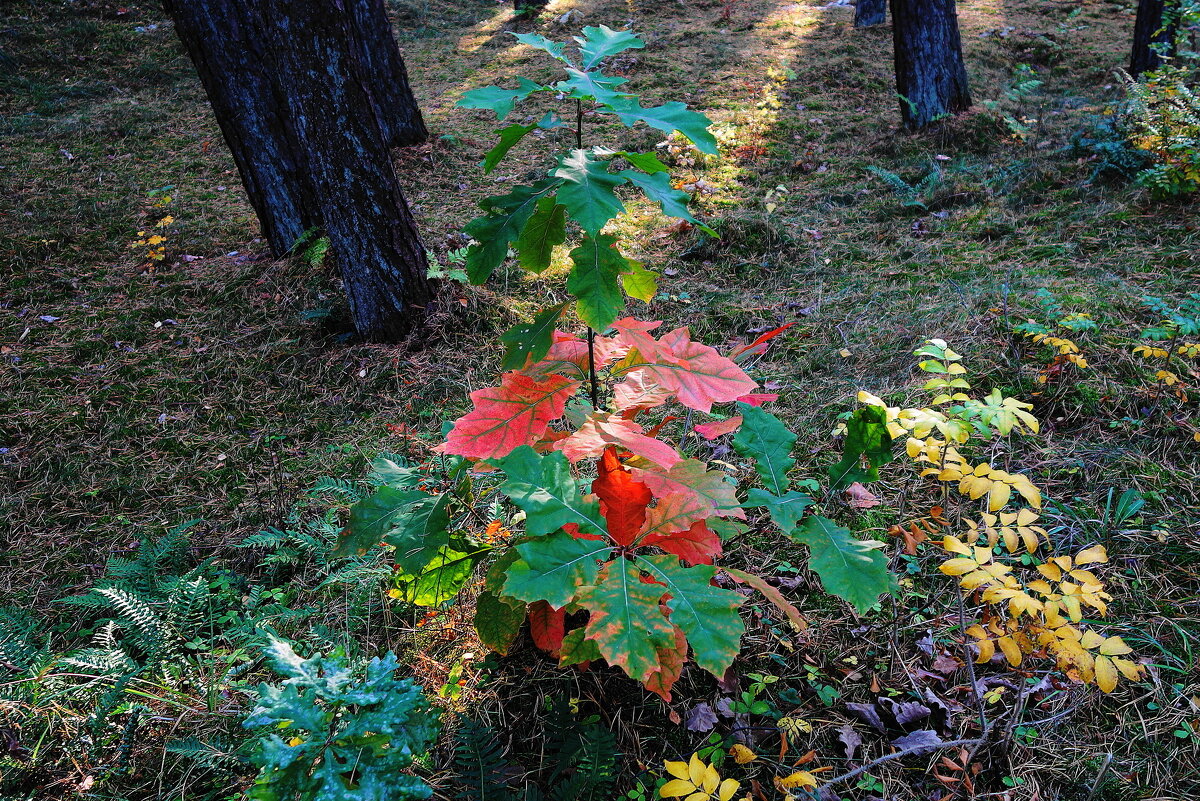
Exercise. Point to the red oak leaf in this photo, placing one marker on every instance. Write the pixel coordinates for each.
(675, 512)
(638, 393)
(602, 431)
(759, 345)
(692, 477)
(697, 544)
(759, 399)
(670, 667)
(716, 428)
(546, 627)
(623, 500)
(516, 413)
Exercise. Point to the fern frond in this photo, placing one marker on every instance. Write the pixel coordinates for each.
(480, 766)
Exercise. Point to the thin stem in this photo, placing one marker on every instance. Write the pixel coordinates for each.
(579, 124)
(595, 385)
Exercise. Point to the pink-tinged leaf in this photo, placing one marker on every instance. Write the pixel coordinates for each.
(636, 334)
(675, 512)
(696, 373)
(638, 393)
(772, 594)
(717, 428)
(759, 345)
(569, 354)
(670, 667)
(692, 477)
(604, 430)
(698, 544)
(758, 399)
(546, 626)
(516, 413)
(859, 497)
(623, 501)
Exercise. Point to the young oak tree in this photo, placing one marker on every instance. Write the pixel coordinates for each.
(931, 78)
(309, 99)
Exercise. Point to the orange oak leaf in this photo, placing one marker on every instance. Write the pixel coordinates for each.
(696, 373)
(546, 627)
(772, 594)
(623, 500)
(692, 477)
(716, 428)
(677, 511)
(696, 544)
(516, 413)
(670, 667)
(601, 431)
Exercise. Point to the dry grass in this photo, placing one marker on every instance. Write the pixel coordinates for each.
(113, 425)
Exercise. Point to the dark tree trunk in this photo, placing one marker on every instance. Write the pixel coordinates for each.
(931, 77)
(396, 109)
(1148, 30)
(372, 234)
(870, 12)
(224, 39)
(529, 6)
(309, 96)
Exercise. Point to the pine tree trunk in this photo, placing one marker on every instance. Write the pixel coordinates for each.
(224, 39)
(870, 12)
(309, 96)
(372, 234)
(529, 6)
(396, 110)
(931, 77)
(1146, 31)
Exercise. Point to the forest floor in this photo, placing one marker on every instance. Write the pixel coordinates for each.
(219, 385)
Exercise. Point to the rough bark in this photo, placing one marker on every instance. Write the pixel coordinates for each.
(309, 97)
(870, 12)
(396, 110)
(224, 39)
(1148, 30)
(529, 6)
(931, 77)
(372, 234)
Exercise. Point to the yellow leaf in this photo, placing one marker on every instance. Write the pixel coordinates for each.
(1090, 556)
(957, 567)
(1106, 674)
(677, 769)
(742, 754)
(801, 778)
(1130, 670)
(295, 741)
(677, 787)
(1012, 652)
(1115, 646)
(696, 770)
(727, 789)
(998, 497)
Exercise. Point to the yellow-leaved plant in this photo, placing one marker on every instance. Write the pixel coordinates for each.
(1027, 613)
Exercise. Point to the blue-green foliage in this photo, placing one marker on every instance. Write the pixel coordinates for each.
(1177, 321)
(334, 733)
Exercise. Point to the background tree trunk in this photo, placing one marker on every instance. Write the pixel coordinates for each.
(870, 12)
(309, 97)
(529, 6)
(931, 77)
(1145, 33)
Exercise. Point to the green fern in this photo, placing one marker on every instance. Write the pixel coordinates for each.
(912, 196)
(480, 767)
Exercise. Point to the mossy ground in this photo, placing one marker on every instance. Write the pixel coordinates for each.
(220, 383)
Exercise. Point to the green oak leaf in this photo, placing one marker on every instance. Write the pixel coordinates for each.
(498, 620)
(766, 440)
(657, 187)
(852, 569)
(553, 568)
(667, 118)
(418, 531)
(639, 282)
(599, 43)
(785, 510)
(544, 487)
(588, 190)
(440, 579)
(707, 615)
(531, 340)
(372, 518)
(596, 266)
(597, 86)
(576, 648)
(501, 101)
(555, 49)
(508, 137)
(546, 228)
(625, 620)
(646, 162)
(503, 222)
(866, 436)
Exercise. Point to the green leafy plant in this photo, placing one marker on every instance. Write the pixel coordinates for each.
(350, 734)
(916, 196)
